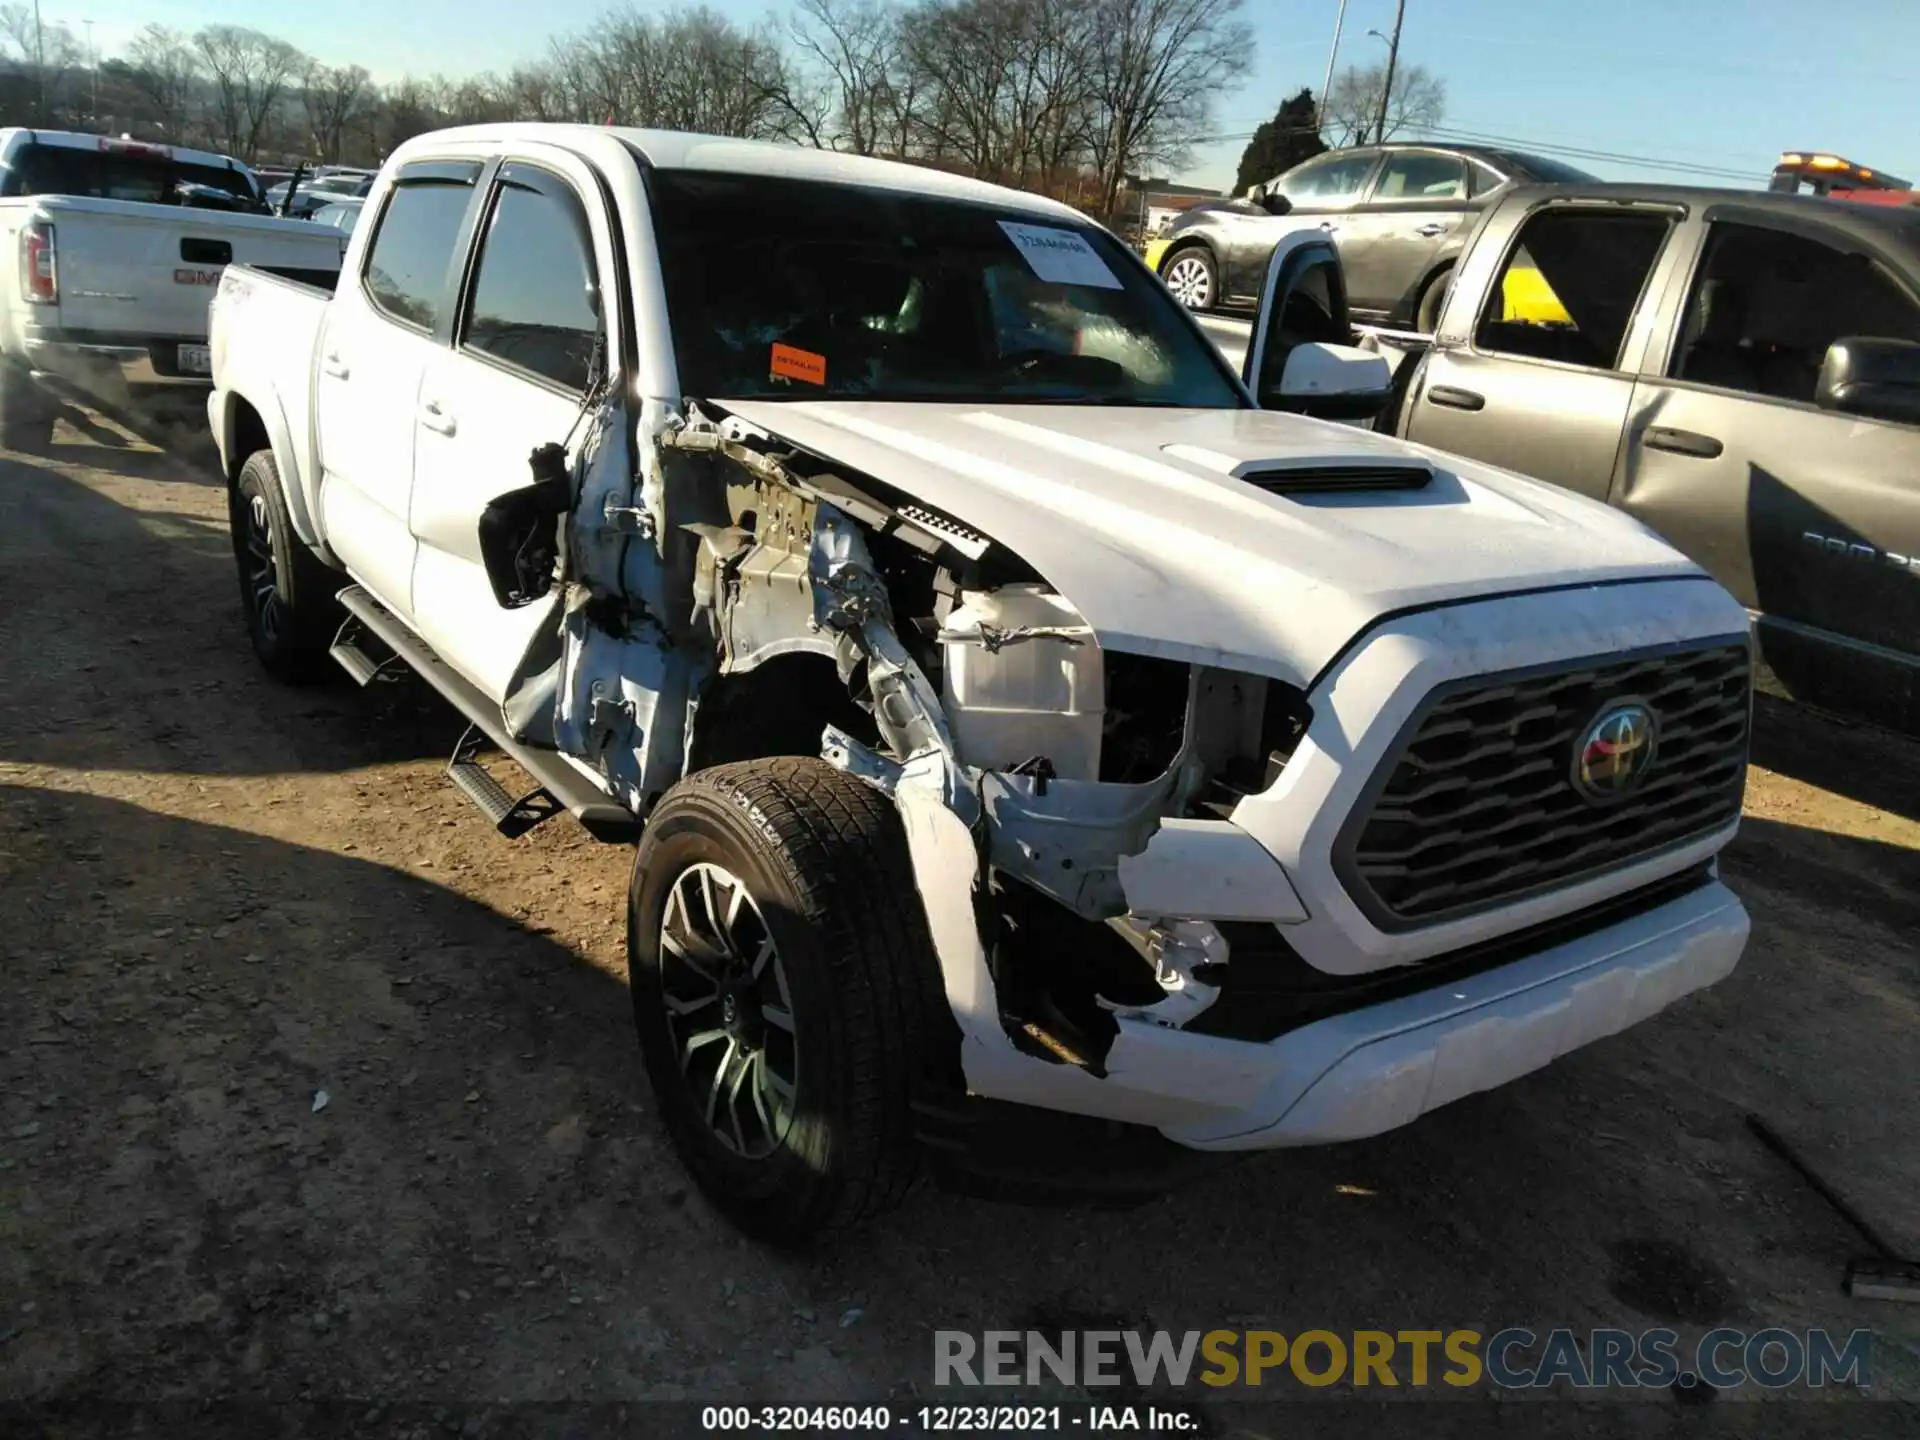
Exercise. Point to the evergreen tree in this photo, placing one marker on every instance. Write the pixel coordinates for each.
(1281, 143)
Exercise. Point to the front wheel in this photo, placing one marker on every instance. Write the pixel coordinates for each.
(1193, 278)
(785, 993)
(286, 592)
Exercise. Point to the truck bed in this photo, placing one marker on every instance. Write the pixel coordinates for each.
(127, 268)
(263, 326)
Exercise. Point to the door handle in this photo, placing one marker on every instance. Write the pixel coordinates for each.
(1683, 442)
(1430, 230)
(437, 419)
(1455, 399)
(332, 364)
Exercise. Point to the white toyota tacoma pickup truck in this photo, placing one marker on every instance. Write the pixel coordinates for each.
(1014, 705)
(115, 248)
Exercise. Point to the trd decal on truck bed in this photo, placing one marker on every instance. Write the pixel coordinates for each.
(1860, 550)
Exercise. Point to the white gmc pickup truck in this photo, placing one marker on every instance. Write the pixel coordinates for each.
(1016, 707)
(116, 247)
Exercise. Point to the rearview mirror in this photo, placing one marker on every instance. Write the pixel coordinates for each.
(1333, 382)
(1875, 378)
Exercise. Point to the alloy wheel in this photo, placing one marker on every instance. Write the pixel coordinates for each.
(1190, 281)
(729, 1012)
(262, 580)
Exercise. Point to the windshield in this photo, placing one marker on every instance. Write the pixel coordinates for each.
(786, 289)
(153, 178)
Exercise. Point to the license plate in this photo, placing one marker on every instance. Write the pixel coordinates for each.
(196, 359)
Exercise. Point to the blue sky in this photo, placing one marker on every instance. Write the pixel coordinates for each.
(1720, 83)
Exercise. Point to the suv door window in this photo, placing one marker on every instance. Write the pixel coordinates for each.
(1416, 175)
(535, 297)
(407, 264)
(1766, 304)
(1571, 284)
(1332, 180)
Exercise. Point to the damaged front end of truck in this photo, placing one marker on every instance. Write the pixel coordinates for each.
(1064, 804)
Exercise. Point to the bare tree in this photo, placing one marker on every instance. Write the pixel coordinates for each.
(1352, 113)
(1158, 68)
(688, 70)
(333, 96)
(45, 58)
(250, 71)
(403, 113)
(853, 46)
(164, 74)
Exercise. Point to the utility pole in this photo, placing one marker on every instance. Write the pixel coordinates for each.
(1393, 59)
(1326, 89)
(39, 67)
(93, 69)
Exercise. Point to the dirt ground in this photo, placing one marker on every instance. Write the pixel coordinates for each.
(222, 896)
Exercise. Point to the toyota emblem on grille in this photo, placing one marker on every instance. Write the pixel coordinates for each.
(1615, 752)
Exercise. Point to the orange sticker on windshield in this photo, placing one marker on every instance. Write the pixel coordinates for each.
(801, 365)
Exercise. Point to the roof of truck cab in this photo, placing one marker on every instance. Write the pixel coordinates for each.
(1869, 223)
(677, 150)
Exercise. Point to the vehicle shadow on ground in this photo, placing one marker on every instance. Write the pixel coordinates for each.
(138, 590)
(1852, 758)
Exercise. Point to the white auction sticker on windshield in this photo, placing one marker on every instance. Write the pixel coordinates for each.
(1060, 256)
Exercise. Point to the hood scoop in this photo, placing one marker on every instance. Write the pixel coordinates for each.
(1337, 479)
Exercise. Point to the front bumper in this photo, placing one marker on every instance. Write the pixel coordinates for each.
(1372, 1070)
(133, 362)
(1367, 1069)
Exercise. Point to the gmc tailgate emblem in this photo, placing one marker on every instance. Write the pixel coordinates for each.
(185, 276)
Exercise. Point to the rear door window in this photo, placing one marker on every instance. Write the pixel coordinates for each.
(150, 176)
(1415, 176)
(412, 252)
(535, 297)
(1571, 285)
(1766, 304)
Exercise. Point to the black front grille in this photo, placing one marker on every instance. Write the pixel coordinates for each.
(1477, 806)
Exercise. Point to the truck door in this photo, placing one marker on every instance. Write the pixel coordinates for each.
(527, 340)
(378, 337)
(1539, 379)
(1810, 516)
(1391, 243)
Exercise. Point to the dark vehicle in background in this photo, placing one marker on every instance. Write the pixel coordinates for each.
(1398, 214)
(1740, 371)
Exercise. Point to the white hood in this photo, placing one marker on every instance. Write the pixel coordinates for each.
(1136, 517)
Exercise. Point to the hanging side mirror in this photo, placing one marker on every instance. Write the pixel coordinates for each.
(1332, 382)
(520, 532)
(1301, 355)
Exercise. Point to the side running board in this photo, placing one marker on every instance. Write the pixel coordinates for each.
(558, 785)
